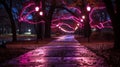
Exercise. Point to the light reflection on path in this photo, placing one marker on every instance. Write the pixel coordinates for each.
(63, 52)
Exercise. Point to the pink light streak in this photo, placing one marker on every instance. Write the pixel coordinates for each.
(22, 12)
(76, 20)
(23, 15)
(59, 25)
(100, 25)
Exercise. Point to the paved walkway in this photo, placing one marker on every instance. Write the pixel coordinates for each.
(63, 52)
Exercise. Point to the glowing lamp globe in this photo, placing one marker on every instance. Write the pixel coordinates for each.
(57, 25)
(88, 8)
(81, 20)
(36, 8)
(41, 13)
(83, 17)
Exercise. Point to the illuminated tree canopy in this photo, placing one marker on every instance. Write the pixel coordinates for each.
(67, 15)
(63, 19)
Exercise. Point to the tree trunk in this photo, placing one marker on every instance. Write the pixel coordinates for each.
(87, 27)
(13, 26)
(40, 31)
(19, 27)
(49, 20)
(115, 22)
(117, 25)
(48, 29)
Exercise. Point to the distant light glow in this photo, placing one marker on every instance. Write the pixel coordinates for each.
(94, 29)
(29, 17)
(29, 30)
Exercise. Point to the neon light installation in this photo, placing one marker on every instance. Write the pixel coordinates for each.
(35, 9)
(99, 25)
(29, 10)
(59, 23)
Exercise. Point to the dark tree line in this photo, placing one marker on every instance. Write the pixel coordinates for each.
(47, 17)
(8, 8)
(114, 12)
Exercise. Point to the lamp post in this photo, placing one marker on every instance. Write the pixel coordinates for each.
(39, 26)
(87, 27)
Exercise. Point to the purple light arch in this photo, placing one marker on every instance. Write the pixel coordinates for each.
(79, 21)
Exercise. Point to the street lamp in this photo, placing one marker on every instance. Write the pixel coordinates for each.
(41, 13)
(81, 20)
(83, 17)
(87, 27)
(37, 8)
(88, 8)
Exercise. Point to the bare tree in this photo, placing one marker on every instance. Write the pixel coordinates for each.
(9, 11)
(114, 12)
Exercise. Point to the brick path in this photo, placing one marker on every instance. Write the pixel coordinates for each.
(63, 52)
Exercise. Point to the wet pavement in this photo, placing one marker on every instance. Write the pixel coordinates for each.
(63, 52)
